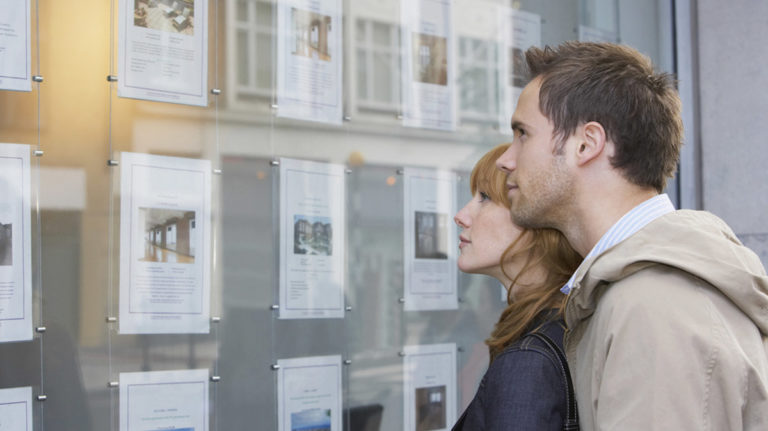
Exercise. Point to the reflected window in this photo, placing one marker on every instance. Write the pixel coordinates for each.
(252, 62)
(377, 48)
(478, 79)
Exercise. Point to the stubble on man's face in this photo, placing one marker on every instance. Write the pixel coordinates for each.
(544, 196)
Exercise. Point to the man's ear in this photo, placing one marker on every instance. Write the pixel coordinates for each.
(591, 144)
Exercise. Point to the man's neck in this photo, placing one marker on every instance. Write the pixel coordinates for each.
(597, 214)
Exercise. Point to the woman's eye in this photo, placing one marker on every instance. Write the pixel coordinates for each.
(484, 197)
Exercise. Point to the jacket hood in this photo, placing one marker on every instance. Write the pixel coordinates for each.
(696, 242)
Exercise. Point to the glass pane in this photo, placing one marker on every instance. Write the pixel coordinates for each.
(362, 85)
(264, 14)
(382, 78)
(263, 64)
(243, 77)
(381, 34)
(242, 10)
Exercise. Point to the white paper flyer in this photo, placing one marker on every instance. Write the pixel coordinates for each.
(163, 51)
(519, 31)
(15, 244)
(312, 239)
(165, 237)
(429, 387)
(428, 64)
(429, 239)
(15, 46)
(309, 394)
(309, 60)
(164, 400)
(16, 409)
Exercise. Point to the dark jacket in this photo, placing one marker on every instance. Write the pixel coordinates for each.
(523, 389)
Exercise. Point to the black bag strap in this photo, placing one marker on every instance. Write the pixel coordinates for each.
(572, 419)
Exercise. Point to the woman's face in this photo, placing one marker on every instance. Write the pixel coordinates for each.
(487, 231)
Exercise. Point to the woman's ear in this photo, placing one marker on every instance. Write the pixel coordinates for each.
(591, 144)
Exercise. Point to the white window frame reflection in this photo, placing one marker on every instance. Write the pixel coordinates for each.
(367, 51)
(253, 26)
(469, 60)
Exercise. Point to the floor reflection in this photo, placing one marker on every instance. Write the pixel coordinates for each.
(153, 253)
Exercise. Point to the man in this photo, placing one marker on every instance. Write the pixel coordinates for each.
(668, 313)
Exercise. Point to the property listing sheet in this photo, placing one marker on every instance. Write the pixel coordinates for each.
(312, 238)
(519, 31)
(309, 60)
(309, 394)
(15, 244)
(16, 409)
(165, 236)
(164, 400)
(429, 387)
(430, 239)
(15, 47)
(428, 64)
(163, 50)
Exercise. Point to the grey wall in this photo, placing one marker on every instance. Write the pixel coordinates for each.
(733, 59)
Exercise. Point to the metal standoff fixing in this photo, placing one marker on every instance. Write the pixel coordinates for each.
(347, 362)
(40, 329)
(274, 307)
(347, 118)
(215, 378)
(401, 354)
(217, 171)
(460, 349)
(216, 319)
(42, 397)
(215, 91)
(113, 384)
(400, 171)
(274, 163)
(39, 153)
(273, 106)
(111, 162)
(348, 308)
(111, 319)
(275, 367)
(460, 299)
(348, 171)
(38, 78)
(401, 300)
(399, 116)
(111, 78)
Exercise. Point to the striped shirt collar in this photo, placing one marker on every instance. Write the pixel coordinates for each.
(631, 222)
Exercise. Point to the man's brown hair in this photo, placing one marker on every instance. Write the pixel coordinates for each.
(617, 87)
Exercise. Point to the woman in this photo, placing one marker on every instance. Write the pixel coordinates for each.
(525, 385)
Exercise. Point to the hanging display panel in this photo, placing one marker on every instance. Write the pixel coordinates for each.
(429, 387)
(312, 239)
(164, 400)
(15, 47)
(163, 50)
(165, 237)
(429, 239)
(15, 244)
(309, 393)
(309, 60)
(428, 83)
(519, 31)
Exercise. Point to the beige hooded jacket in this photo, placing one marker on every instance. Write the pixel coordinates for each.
(667, 331)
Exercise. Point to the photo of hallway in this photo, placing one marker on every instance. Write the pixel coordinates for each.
(310, 31)
(169, 235)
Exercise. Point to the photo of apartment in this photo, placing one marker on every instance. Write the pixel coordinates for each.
(310, 32)
(169, 235)
(430, 59)
(312, 235)
(174, 16)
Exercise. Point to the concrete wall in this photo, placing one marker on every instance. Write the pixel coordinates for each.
(733, 95)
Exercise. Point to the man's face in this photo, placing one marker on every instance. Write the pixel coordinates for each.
(538, 178)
